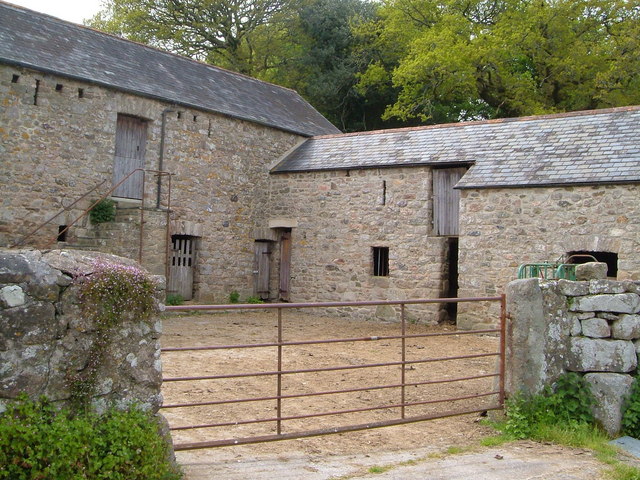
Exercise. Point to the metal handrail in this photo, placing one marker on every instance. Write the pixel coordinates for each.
(87, 210)
(159, 173)
(45, 223)
(105, 195)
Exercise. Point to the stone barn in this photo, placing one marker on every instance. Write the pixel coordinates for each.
(80, 109)
(248, 188)
(453, 210)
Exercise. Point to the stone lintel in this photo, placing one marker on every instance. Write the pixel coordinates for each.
(283, 222)
(186, 227)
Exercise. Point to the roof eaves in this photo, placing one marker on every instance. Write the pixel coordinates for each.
(372, 167)
(544, 185)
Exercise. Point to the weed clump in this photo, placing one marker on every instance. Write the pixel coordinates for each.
(38, 441)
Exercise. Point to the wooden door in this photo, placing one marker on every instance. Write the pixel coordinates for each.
(446, 200)
(261, 269)
(131, 142)
(285, 266)
(181, 267)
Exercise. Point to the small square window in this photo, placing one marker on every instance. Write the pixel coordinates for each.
(380, 261)
(62, 233)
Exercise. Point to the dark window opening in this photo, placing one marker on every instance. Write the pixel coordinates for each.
(380, 261)
(384, 192)
(179, 114)
(35, 93)
(62, 233)
(81, 93)
(209, 130)
(59, 87)
(585, 256)
(15, 78)
(195, 118)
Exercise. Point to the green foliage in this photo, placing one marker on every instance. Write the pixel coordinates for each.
(380, 469)
(234, 297)
(405, 62)
(103, 211)
(567, 403)
(452, 61)
(631, 412)
(39, 442)
(218, 32)
(175, 299)
(111, 294)
(254, 299)
(620, 471)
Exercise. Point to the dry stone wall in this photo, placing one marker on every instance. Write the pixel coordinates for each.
(501, 229)
(340, 216)
(589, 327)
(58, 144)
(44, 335)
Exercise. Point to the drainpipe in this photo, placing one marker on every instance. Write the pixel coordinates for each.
(161, 159)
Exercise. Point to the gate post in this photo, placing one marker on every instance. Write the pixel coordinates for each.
(503, 345)
(279, 376)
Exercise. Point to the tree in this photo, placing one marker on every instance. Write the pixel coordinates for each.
(306, 45)
(320, 58)
(454, 60)
(215, 31)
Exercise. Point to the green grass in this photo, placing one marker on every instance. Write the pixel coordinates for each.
(380, 469)
(585, 436)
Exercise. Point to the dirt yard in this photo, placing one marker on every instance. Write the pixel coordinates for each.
(261, 327)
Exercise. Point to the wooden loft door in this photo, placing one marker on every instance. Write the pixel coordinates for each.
(446, 201)
(131, 142)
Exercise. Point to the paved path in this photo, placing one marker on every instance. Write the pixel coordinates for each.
(520, 461)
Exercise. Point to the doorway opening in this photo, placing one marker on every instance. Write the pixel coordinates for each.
(182, 266)
(451, 280)
(584, 256)
(284, 292)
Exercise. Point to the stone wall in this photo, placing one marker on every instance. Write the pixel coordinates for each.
(44, 335)
(590, 327)
(340, 216)
(501, 229)
(55, 150)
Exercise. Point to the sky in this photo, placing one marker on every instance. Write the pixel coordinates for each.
(72, 10)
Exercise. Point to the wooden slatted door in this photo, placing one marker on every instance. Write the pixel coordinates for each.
(446, 200)
(183, 261)
(261, 269)
(285, 266)
(131, 141)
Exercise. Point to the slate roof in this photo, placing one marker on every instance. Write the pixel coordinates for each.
(598, 146)
(41, 42)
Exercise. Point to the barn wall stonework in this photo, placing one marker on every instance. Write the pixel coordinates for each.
(503, 228)
(58, 141)
(341, 215)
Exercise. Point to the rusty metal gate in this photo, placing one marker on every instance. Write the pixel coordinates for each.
(405, 404)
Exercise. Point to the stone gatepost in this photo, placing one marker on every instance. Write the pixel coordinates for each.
(590, 326)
